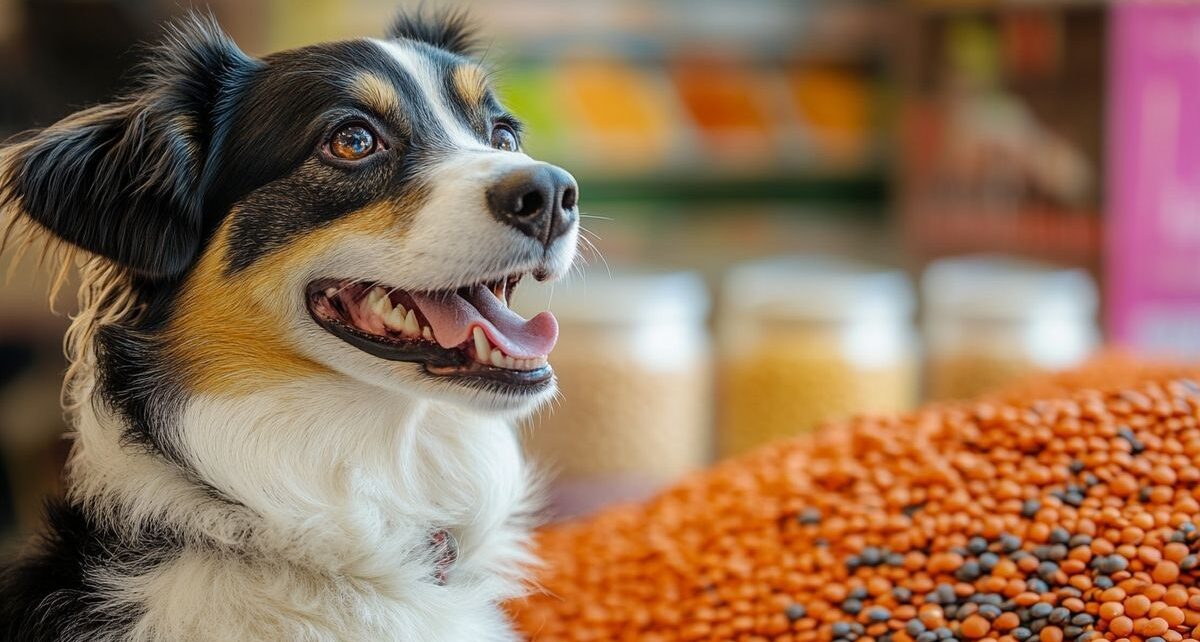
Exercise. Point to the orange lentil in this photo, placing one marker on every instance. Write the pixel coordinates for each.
(1137, 605)
(1072, 504)
(1102, 546)
(1175, 552)
(1081, 582)
(975, 626)
(1121, 626)
(1153, 626)
(1173, 615)
(1176, 596)
(1163, 474)
(1110, 610)
(931, 615)
(1026, 599)
(1166, 572)
(1007, 621)
(1114, 594)
(1149, 554)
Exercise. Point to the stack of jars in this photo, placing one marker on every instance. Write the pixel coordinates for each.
(800, 341)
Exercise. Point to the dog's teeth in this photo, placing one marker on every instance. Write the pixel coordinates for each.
(394, 319)
(497, 358)
(411, 327)
(482, 348)
(380, 302)
(427, 333)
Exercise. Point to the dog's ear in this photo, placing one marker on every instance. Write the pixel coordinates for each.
(124, 180)
(450, 30)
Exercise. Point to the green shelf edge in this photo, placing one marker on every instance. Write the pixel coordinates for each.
(867, 189)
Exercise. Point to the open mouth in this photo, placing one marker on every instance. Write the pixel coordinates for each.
(467, 333)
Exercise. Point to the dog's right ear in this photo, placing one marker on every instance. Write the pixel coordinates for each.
(125, 180)
(448, 29)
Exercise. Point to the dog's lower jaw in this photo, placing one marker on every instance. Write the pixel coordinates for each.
(313, 520)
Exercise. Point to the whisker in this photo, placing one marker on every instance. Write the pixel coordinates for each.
(595, 249)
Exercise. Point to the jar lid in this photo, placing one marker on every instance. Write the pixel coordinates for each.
(622, 296)
(988, 286)
(818, 287)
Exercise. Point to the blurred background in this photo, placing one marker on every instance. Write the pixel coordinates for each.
(796, 210)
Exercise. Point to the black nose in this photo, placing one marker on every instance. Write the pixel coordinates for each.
(539, 200)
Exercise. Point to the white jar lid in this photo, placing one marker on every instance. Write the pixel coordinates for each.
(986, 286)
(622, 296)
(818, 287)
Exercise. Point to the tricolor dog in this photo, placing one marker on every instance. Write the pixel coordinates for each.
(294, 368)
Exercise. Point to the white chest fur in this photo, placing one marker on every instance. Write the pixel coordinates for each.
(336, 491)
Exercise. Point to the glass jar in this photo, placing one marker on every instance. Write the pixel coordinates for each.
(633, 371)
(808, 339)
(990, 320)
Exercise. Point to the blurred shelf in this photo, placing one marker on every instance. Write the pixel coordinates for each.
(541, 29)
(1001, 6)
(851, 189)
(1056, 234)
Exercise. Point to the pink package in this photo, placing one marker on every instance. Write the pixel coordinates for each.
(1153, 260)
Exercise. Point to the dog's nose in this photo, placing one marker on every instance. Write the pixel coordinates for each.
(540, 201)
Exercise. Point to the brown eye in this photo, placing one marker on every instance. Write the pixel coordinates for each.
(503, 138)
(352, 142)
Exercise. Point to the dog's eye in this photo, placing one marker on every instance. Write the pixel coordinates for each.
(504, 138)
(352, 142)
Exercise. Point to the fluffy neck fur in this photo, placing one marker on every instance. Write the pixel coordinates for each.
(305, 513)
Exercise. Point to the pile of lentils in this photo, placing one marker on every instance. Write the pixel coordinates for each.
(1071, 518)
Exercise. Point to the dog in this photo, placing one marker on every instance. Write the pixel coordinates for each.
(293, 372)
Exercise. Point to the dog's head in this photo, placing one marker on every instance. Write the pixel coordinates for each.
(360, 207)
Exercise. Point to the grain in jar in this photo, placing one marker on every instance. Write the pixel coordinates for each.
(633, 411)
(808, 339)
(990, 320)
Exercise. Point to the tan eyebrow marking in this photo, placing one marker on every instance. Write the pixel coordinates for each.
(377, 93)
(470, 81)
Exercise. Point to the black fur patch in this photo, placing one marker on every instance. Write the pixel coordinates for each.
(48, 594)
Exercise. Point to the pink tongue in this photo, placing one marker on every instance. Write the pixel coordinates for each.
(452, 318)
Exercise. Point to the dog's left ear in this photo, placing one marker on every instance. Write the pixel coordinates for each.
(449, 30)
(125, 180)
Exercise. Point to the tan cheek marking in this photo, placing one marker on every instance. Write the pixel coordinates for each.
(470, 82)
(229, 330)
(377, 93)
